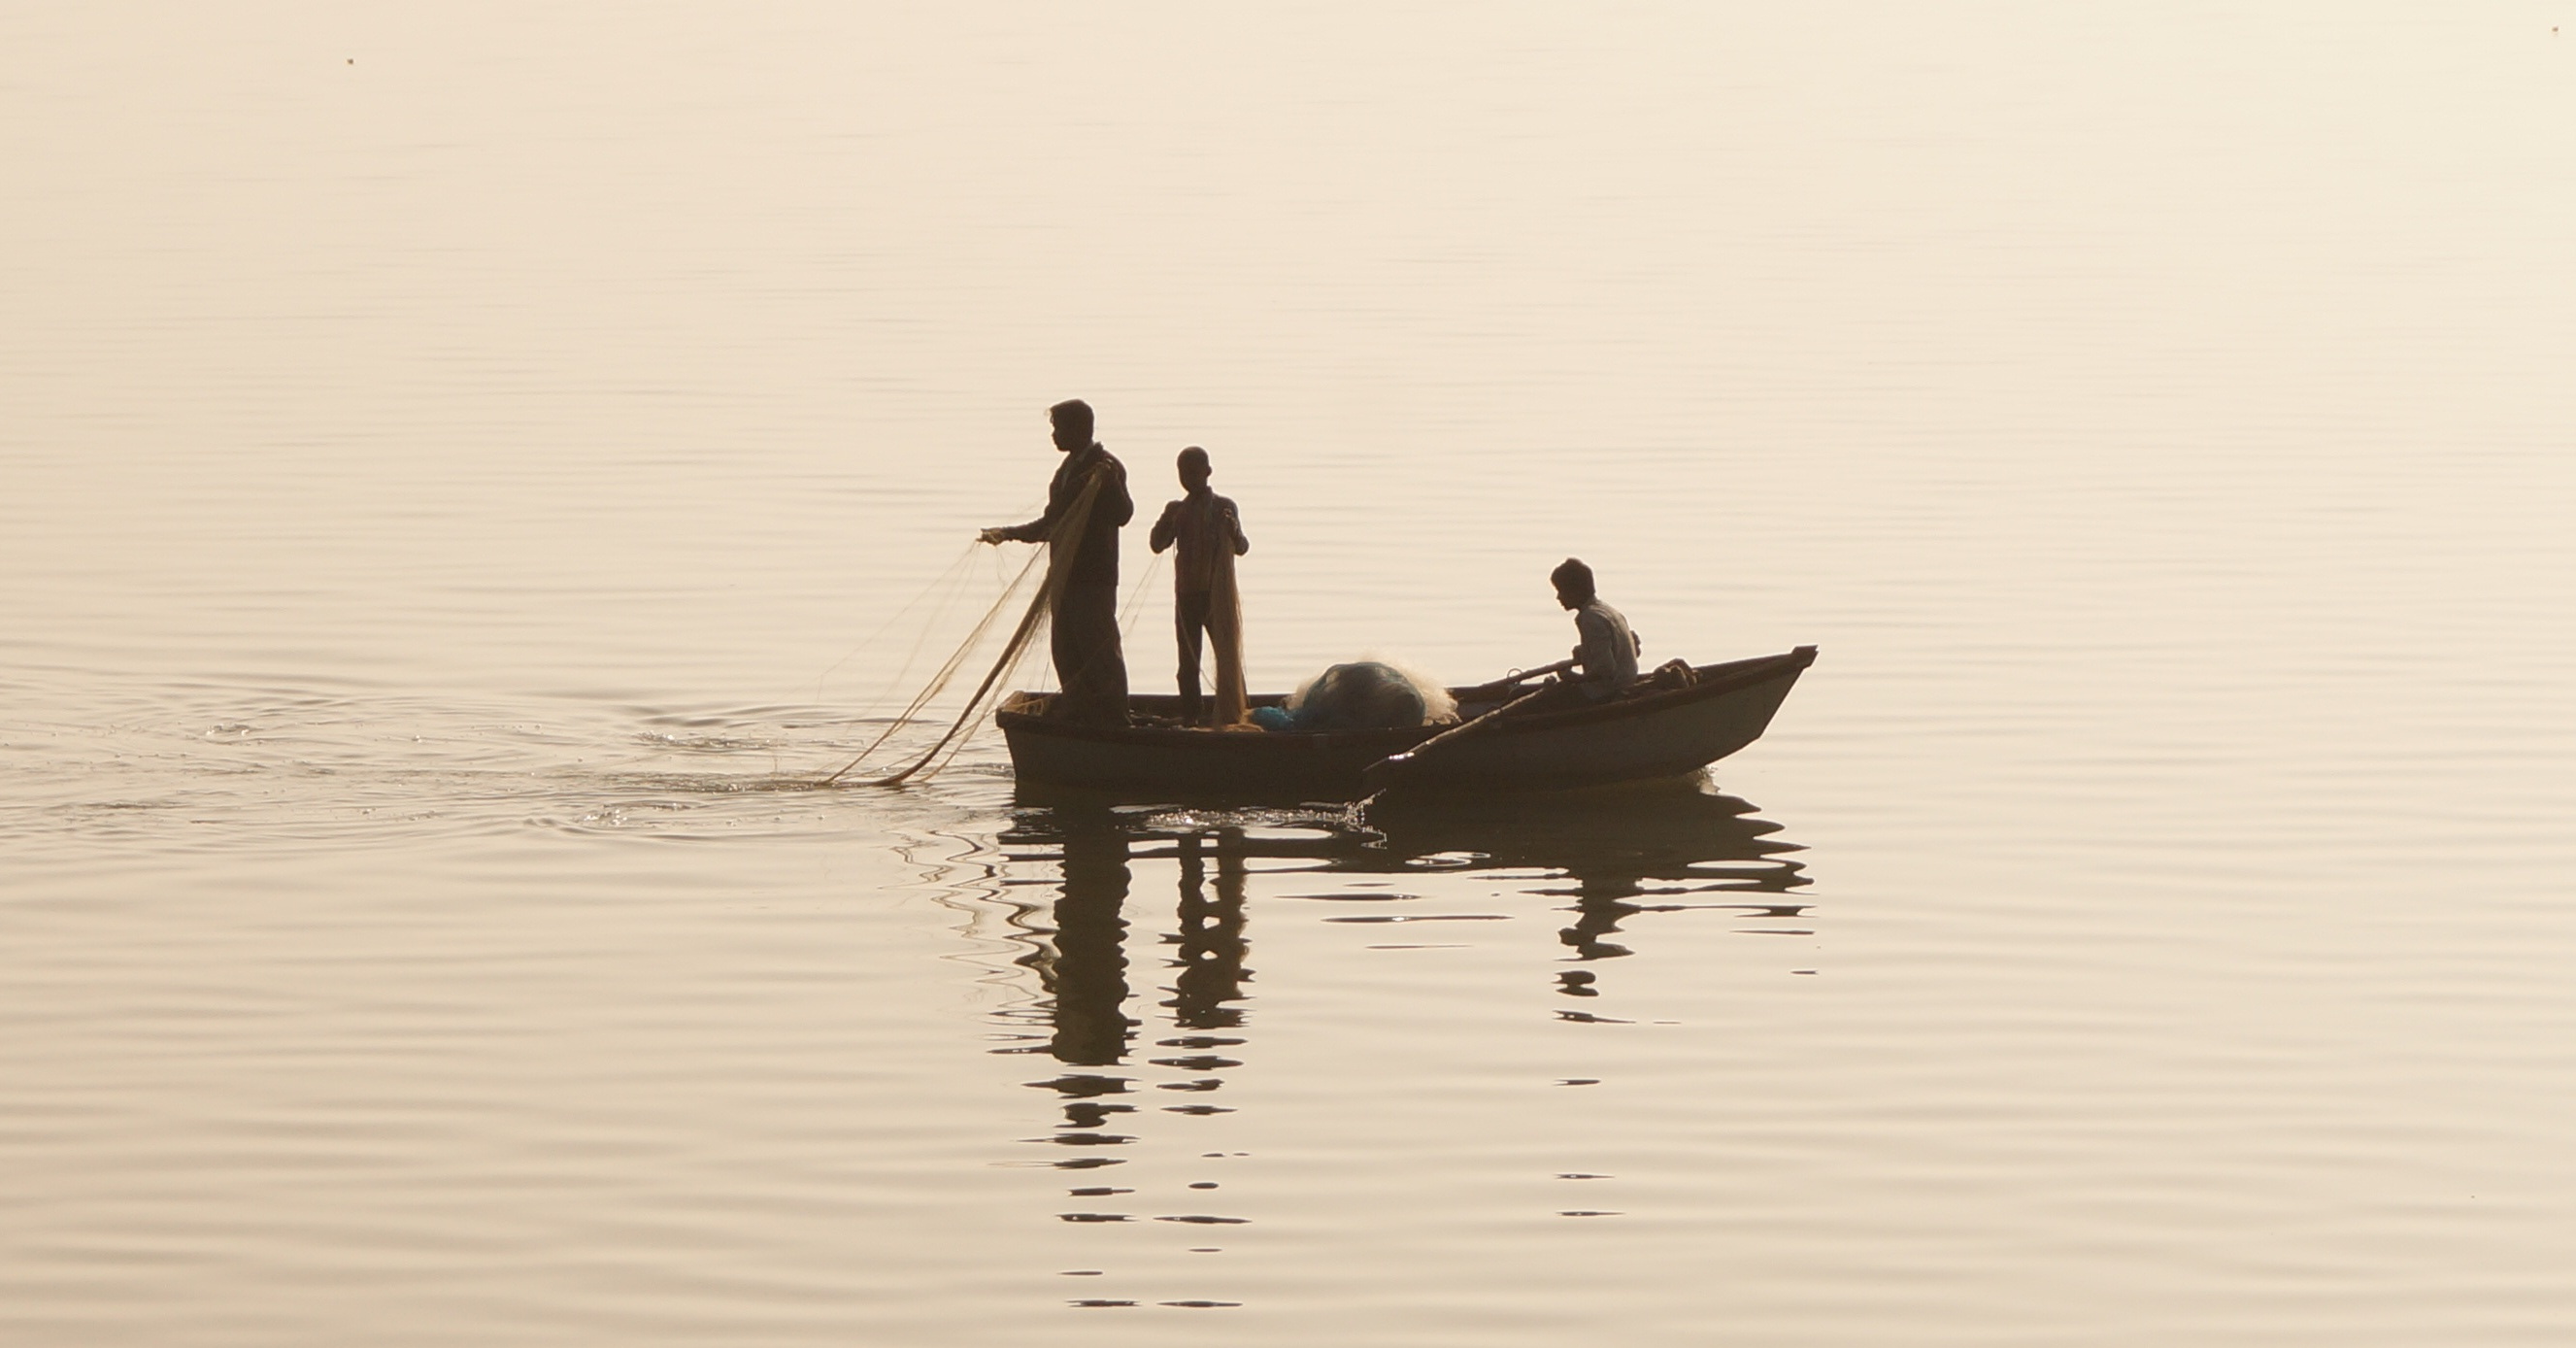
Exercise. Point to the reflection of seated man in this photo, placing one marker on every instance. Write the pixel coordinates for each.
(1607, 655)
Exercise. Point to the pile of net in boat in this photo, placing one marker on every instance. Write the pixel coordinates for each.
(1362, 695)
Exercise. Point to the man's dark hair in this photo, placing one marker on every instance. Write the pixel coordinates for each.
(1194, 457)
(1573, 577)
(1072, 414)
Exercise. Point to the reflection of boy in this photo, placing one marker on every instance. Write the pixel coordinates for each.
(1608, 650)
(1209, 533)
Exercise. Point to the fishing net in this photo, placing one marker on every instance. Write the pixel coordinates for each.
(1225, 640)
(1064, 541)
(1369, 695)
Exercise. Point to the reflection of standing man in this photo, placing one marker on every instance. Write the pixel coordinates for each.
(1089, 974)
(1087, 503)
(1210, 533)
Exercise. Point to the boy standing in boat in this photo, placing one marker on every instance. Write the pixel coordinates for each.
(1087, 503)
(1209, 532)
(1607, 653)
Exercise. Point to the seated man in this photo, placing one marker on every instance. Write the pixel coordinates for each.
(1607, 655)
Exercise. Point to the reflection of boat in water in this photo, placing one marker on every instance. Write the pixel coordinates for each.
(1132, 1063)
(1625, 850)
(1660, 830)
(1658, 734)
(1674, 829)
(1630, 850)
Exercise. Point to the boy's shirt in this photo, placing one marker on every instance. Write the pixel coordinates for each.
(1200, 523)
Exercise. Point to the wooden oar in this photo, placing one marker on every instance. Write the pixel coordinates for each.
(1387, 771)
(1560, 667)
(1504, 685)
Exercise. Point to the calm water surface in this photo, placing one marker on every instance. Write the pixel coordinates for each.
(466, 476)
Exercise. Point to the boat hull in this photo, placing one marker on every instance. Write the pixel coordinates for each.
(1659, 734)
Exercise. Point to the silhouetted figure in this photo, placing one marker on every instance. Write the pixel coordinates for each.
(1209, 532)
(1087, 503)
(1608, 651)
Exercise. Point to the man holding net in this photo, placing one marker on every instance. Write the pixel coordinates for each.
(1087, 503)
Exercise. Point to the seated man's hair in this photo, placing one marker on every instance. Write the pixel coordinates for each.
(1573, 577)
(1074, 415)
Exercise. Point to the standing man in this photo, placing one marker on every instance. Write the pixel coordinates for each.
(1608, 651)
(1210, 534)
(1087, 504)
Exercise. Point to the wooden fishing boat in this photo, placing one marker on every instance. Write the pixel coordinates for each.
(1648, 734)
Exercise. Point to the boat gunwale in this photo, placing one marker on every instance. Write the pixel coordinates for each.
(1741, 674)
